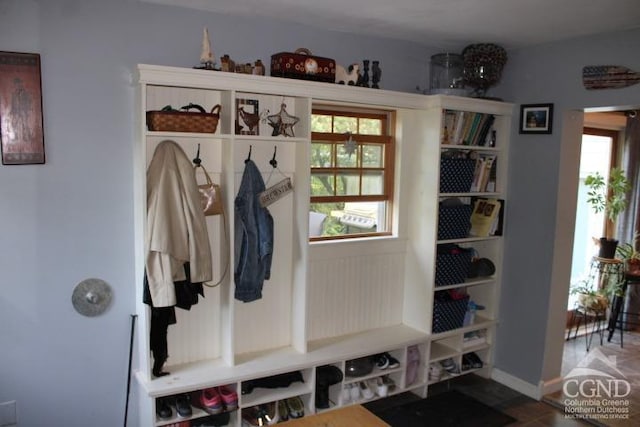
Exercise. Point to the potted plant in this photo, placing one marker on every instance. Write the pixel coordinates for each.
(590, 298)
(609, 197)
(629, 253)
(596, 299)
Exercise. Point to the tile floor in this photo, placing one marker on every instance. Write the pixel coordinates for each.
(621, 363)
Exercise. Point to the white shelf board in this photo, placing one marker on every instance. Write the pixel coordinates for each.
(208, 373)
(470, 282)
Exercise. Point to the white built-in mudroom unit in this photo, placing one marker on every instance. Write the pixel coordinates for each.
(326, 302)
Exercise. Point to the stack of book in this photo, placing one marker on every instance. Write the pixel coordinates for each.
(466, 128)
(484, 175)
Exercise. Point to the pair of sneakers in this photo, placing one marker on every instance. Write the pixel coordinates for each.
(366, 390)
(290, 408)
(181, 403)
(385, 360)
(216, 399)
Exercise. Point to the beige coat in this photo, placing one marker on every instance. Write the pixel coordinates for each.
(176, 225)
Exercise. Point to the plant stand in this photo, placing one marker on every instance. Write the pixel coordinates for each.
(580, 313)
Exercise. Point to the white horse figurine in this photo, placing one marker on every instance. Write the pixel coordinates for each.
(349, 78)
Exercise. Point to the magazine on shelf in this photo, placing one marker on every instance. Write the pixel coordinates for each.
(485, 217)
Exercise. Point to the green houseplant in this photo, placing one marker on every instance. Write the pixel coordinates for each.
(609, 197)
(629, 253)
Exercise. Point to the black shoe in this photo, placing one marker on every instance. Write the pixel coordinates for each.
(322, 396)
(382, 361)
(163, 410)
(393, 362)
(183, 407)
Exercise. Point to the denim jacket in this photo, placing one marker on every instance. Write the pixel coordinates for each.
(253, 237)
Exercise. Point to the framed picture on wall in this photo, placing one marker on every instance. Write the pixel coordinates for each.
(536, 118)
(21, 133)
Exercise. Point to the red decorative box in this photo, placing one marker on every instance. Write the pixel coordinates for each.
(304, 66)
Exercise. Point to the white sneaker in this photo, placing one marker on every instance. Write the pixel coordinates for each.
(379, 386)
(367, 393)
(355, 392)
(346, 393)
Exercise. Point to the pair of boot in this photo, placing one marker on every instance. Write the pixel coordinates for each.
(326, 376)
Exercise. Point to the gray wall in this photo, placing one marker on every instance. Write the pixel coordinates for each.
(72, 218)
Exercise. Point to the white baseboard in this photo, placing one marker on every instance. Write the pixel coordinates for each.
(551, 386)
(515, 383)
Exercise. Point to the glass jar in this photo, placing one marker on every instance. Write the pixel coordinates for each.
(446, 72)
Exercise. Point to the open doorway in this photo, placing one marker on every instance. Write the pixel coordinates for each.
(602, 135)
(598, 154)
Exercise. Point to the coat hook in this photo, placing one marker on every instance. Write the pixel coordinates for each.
(249, 155)
(273, 162)
(197, 160)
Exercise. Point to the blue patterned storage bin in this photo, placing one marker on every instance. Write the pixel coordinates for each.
(452, 264)
(456, 175)
(454, 222)
(448, 313)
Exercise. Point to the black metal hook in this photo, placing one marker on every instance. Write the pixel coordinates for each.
(273, 162)
(197, 160)
(249, 155)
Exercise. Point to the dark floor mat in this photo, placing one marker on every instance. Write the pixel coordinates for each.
(450, 408)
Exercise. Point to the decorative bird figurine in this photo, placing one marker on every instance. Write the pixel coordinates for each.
(252, 120)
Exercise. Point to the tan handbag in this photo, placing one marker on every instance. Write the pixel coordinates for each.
(210, 196)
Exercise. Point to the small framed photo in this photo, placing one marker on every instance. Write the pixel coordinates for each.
(536, 118)
(21, 133)
(247, 117)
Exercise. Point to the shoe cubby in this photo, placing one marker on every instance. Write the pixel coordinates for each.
(328, 380)
(276, 387)
(414, 371)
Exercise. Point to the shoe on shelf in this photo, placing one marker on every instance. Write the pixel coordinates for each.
(296, 407)
(183, 406)
(229, 397)
(283, 410)
(163, 410)
(345, 395)
(391, 385)
(210, 401)
(393, 362)
(382, 362)
(367, 393)
(354, 389)
(260, 415)
(322, 396)
(379, 386)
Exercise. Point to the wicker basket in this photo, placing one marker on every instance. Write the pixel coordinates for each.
(170, 120)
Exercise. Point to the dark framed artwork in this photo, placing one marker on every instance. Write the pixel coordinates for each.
(248, 117)
(536, 118)
(21, 130)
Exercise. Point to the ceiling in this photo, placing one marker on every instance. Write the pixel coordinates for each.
(443, 23)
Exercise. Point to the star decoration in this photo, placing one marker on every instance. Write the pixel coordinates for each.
(350, 145)
(282, 122)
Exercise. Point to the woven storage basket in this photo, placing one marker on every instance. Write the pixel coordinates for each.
(456, 175)
(452, 264)
(449, 313)
(170, 120)
(454, 222)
